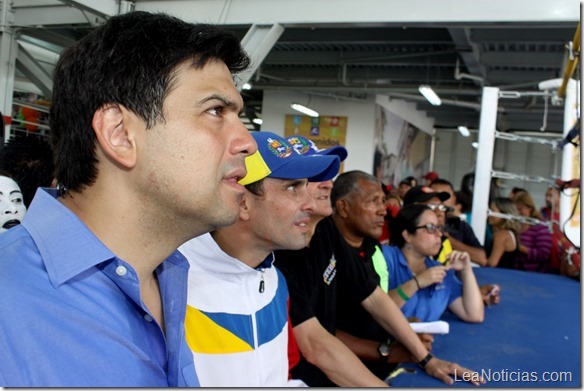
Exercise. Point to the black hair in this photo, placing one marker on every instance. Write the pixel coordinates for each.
(516, 190)
(347, 183)
(441, 181)
(256, 188)
(463, 200)
(412, 181)
(467, 184)
(385, 188)
(29, 161)
(132, 61)
(407, 219)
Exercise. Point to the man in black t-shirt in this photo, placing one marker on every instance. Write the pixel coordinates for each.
(313, 275)
(359, 214)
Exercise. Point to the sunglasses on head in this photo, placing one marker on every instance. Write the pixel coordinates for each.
(432, 228)
(440, 207)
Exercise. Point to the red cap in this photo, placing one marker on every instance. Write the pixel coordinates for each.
(432, 176)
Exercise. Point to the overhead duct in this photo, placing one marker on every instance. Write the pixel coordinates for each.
(458, 75)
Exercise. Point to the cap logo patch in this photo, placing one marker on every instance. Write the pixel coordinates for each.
(279, 149)
(314, 147)
(300, 146)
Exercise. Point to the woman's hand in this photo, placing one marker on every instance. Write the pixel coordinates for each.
(458, 260)
(490, 294)
(433, 275)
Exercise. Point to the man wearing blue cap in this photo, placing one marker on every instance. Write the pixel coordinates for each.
(237, 315)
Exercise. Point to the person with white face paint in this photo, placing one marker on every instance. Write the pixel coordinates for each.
(12, 208)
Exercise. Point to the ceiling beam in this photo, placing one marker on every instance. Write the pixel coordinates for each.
(468, 51)
(310, 12)
(378, 56)
(63, 12)
(27, 64)
(522, 59)
(258, 42)
(514, 76)
(394, 36)
(521, 34)
(101, 8)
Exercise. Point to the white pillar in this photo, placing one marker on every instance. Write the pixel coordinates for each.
(482, 182)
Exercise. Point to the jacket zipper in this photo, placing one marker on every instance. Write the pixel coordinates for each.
(262, 281)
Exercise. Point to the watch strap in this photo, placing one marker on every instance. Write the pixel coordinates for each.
(423, 362)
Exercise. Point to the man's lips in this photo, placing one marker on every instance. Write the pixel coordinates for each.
(236, 175)
(303, 223)
(11, 223)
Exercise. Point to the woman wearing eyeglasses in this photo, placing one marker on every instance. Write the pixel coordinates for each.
(421, 286)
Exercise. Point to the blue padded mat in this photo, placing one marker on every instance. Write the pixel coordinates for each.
(531, 339)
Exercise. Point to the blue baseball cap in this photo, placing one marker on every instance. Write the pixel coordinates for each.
(304, 146)
(275, 158)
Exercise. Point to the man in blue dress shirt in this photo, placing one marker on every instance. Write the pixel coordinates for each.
(149, 148)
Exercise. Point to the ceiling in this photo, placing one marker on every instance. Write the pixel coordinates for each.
(350, 63)
(354, 61)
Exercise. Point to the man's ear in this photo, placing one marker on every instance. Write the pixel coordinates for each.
(116, 138)
(244, 206)
(342, 207)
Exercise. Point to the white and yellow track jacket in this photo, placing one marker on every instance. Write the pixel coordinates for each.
(237, 319)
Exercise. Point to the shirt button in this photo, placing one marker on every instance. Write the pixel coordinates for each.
(148, 318)
(121, 271)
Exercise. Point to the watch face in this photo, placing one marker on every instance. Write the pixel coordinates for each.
(384, 349)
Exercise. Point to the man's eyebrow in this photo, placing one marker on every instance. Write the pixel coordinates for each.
(226, 101)
(296, 182)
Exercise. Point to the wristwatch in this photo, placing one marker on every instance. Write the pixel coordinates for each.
(384, 350)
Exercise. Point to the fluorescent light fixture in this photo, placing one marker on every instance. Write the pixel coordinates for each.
(258, 121)
(464, 131)
(304, 110)
(430, 95)
(475, 145)
(246, 86)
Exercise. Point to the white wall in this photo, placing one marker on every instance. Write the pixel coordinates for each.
(455, 157)
(360, 122)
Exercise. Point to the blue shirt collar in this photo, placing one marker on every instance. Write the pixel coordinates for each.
(403, 262)
(66, 244)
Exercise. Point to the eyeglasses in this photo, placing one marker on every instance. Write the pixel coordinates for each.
(432, 229)
(440, 207)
